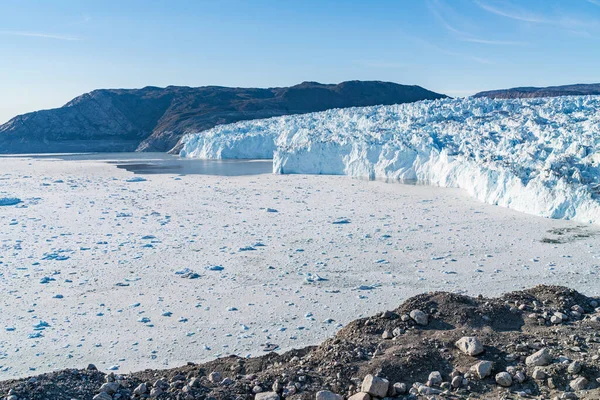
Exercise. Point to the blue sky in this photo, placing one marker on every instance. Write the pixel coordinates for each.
(52, 51)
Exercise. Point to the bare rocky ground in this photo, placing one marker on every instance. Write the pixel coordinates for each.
(539, 343)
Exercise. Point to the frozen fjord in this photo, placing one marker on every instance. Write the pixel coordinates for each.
(96, 266)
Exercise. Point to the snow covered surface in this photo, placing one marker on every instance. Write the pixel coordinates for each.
(155, 273)
(538, 156)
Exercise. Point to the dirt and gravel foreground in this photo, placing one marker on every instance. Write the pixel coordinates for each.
(538, 343)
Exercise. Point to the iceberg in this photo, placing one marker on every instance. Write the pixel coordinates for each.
(538, 156)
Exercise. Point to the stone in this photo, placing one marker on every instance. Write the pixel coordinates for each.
(110, 387)
(469, 345)
(579, 384)
(360, 396)
(375, 386)
(102, 396)
(483, 369)
(91, 367)
(538, 374)
(326, 395)
(540, 358)
(387, 334)
(397, 332)
(419, 317)
(266, 396)
(520, 377)
(504, 379)
(456, 382)
(574, 368)
(155, 392)
(215, 377)
(428, 391)
(435, 378)
(142, 388)
(399, 388)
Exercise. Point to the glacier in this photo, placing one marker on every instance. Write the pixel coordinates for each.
(538, 156)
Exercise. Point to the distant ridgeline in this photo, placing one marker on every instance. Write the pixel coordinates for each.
(550, 91)
(155, 119)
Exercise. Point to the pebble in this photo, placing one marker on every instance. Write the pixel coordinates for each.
(579, 383)
(266, 396)
(483, 369)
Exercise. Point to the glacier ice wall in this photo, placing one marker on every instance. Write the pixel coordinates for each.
(538, 156)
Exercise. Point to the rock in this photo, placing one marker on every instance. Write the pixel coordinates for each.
(142, 388)
(428, 391)
(419, 317)
(326, 395)
(538, 374)
(267, 396)
(520, 377)
(504, 379)
(155, 392)
(574, 368)
(539, 358)
(360, 396)
(91, 367)
(397, 332)
(215, 377)
(387, 334)
(110, 387)
(102, 396)
(399, 388)
(456, 382)
(435, 378)
(470, 345)
(483, 369)
(375, 386)
(579, 384)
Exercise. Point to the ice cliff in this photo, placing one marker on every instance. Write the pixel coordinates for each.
(538, 156)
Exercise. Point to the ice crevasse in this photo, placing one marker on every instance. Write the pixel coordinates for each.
(539, 156)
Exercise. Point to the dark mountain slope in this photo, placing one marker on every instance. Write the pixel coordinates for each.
(154, 119)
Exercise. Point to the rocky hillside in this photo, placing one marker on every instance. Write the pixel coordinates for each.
(550, 91)
(542, 343)
(154, 119)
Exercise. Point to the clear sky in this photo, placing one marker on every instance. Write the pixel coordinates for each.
(52, 51)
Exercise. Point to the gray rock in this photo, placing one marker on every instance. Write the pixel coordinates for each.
(399, 388)
(110, 387)
(375, 386)
(504, 379)
(539, 358)
(574, 368)
(266, 396)
(456, 382)
(360, 396)
(469, 345)
(538, 374)
(579, 383)
(419, 317)
(142, 388)
(387, 334)
(435, 378)
(215, 377)
(483, 369)
(327, 395)
(102, 396)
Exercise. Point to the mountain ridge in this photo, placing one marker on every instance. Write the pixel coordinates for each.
(154, 119)
(578, 89)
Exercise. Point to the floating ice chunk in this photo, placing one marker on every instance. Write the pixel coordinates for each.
(215, 268)
(9, 201)
(136, 179)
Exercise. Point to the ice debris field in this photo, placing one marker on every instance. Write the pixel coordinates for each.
(99, 267)
(538, 156)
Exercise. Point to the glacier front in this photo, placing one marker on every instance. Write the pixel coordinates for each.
(538, 156)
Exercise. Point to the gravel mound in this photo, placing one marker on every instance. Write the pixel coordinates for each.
(539, 343)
